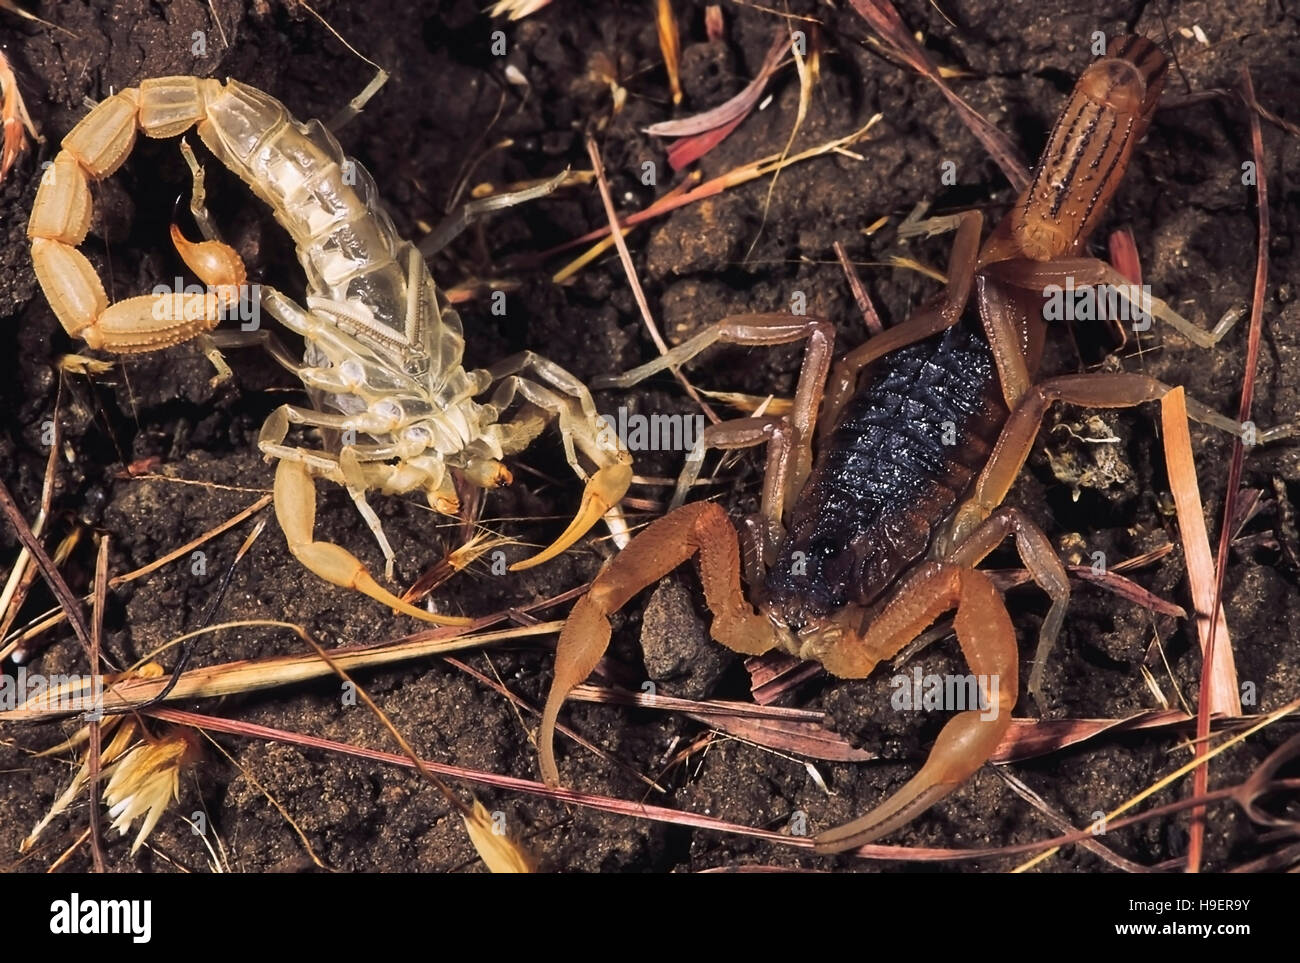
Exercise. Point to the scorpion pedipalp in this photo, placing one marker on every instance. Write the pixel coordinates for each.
(295, 507)
(604, 490)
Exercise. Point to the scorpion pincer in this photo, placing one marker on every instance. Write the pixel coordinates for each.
(854, 554)
(383, 354)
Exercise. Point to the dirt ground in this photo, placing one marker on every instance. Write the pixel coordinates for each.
(451, 117)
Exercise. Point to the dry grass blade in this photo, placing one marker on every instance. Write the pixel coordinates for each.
(736, 108)
(27, 15)
(869, 315)
(630, 269)
(500, 853)
(884, 19)
(94, 729)
(1220, 696)
(1211, 697)
(1178, 773)
(639, 810)
(805, 98)
(714, 709)
(250, 675)
(1128, 589)
(711, 188)
(705, 131)
(1110, 579)
(800, 731)
(1028, 738)
(714, 26)
(1124, 258)
(1061, 824)
(686, 151)
(774, 674)
(670, 45)
(809, 739)
(1124, 255)
(516, 9)
(603, 803)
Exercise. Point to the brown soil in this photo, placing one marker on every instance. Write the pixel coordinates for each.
(447, 104)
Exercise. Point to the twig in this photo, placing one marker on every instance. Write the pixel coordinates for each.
(630, 269)
(54, 618)
(869, 315)
(58, 586)
(95, 748)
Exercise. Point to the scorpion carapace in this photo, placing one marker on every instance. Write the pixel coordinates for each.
(382, 362)
(920, 433)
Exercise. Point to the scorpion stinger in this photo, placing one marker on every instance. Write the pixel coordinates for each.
(383, 349)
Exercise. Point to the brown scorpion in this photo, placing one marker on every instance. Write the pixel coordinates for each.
(856, 553)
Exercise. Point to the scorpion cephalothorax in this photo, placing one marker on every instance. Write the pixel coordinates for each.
(383, 358)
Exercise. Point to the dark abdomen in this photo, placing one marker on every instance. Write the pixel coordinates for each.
(907, 447)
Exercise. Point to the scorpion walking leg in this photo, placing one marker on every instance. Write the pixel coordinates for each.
(741, 433)
(215, 255)
(262, 338)
(965, 743)
(1087, 271)
(346, 471)
(295, 509)
(667, 542)
(280, 307)
(1043, 564)
(1117, 390)
(1035, 276)
(450, 227)
(352, 468)
(199, 194)
(755, 330)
